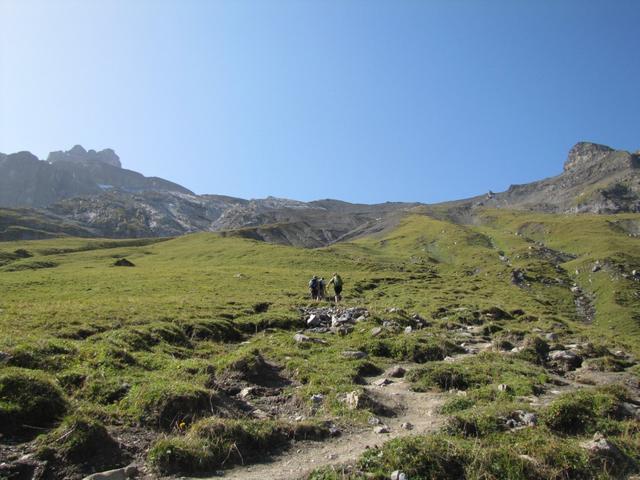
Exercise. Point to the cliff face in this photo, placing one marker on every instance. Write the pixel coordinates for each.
(26, 181)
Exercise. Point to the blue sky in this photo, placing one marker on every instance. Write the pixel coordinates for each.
(360, 100)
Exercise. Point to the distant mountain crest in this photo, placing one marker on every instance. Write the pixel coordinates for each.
(87, 192)
(79, 155)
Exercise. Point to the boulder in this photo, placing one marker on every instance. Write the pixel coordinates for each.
(564, 360)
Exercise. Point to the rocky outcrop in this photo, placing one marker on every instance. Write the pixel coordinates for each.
(26, 181)
(79, 155)
(595, 179)
(585, 152)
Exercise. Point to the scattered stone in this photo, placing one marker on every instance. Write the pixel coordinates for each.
(599, 446)
(517, 277)
(629, 410)
(374, 421)
(503, 387)
(259, 414)
(382, 382)
(247, 392)
(382, 429)
(408, 329)
(376, 331)
(407, 425)
(302, 338)
(552, 337)
(396, 371)
(398, 475)
(317, 398)
(597, 267)
(354, 354)
(314, 321)
(332, 456)
(118, 474)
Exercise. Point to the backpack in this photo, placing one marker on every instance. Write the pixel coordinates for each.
(313, 283)
(337, 281)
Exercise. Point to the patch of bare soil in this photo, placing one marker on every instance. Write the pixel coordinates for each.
(417, 411)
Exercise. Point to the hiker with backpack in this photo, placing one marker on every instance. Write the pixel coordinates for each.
(321, 288)
(336, 280)
(313, 287)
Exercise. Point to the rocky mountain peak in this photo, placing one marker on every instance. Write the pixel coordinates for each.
(585, 152)
(78, 154)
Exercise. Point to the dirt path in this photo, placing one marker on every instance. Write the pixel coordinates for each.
(419, 409)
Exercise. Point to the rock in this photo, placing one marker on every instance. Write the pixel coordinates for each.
(354, 354)
(407, 426)
(629, 410)
(552, 337)
(564, 360)
(496, 313)
(396, 371)
(259, 414)
(382, 382)
(361, 318)
(356, 400)
(530, 419)
(117, 474)
(247, 392)
(408, 329)
(302, 338)
(517, 277)
(123, 262)
(317, 398)
(374, 421)
(596, 268)
(503, 387)
(599, 446)
(382, 429)
(397, 475)
(376, 331)
(314, 321)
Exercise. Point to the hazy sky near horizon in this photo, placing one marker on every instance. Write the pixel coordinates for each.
(361, 100)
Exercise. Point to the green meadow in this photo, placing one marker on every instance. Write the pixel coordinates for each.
(91, 351)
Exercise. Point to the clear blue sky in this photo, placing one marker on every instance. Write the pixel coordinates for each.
(361, 100)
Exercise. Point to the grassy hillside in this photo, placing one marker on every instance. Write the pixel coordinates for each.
(156, 354)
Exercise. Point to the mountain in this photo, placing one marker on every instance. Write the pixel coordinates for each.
(90, 194)
(26, 181)
(595, 179)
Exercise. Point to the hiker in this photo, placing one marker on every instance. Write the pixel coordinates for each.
(321, 288)
(313, 287)
(337, 286)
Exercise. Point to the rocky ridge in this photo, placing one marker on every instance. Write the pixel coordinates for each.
(91, 194)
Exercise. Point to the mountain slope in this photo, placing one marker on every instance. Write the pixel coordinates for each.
(595, 179)
(91, 190)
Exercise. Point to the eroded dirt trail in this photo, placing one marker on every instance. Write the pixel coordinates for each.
(418, 409)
